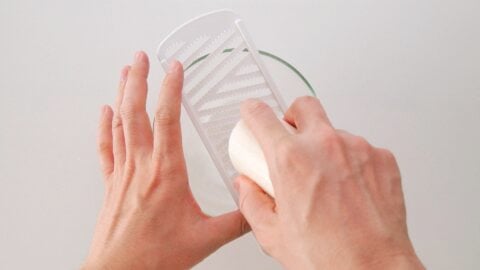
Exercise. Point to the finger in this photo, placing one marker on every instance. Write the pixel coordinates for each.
(264, 124)
(121, 87)
(117, 127)
(256, 206)
(105, 150)
(307, 112)
(227, 227)
(137, 129)
(167, 130)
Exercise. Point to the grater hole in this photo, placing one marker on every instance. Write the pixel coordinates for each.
(215, 113)
(236, 97)
(250, 68)
(191, 48)
(216, 72)
(197, 62)
(207, 65)
(239, 84)
(173, 48)
(220, 39)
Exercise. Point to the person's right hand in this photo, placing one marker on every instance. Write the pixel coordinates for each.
(338, 200)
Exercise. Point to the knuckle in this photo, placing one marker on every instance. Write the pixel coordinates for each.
(127, 111)
(254, 107)
(330, 144)
(107, 170)
(129, 168)
(363, 151)
(390, 164)
(116, 122)
(104, 147)
(360, 144)
(165, 118)
(306, 101)
(388, 155)
(329, 138)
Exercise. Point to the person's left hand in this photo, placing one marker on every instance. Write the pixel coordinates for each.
(149, 219)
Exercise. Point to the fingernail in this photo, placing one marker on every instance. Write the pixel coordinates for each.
(173, 66)
(251, 104)
(139, 56)
(104, 109)
(124, 73)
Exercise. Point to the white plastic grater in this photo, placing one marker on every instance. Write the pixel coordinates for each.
(222, 69)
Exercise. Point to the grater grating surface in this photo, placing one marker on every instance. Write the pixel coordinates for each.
(230, 72)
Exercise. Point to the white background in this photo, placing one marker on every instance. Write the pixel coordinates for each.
(404, 74)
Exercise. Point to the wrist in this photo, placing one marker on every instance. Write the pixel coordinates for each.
(92, 264)
(403, 261)
(88, 266)
(398, 262)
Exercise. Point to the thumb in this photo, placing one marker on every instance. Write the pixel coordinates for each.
(227, 227)
(256, 206)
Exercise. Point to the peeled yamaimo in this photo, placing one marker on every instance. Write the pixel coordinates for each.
(247, 156)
